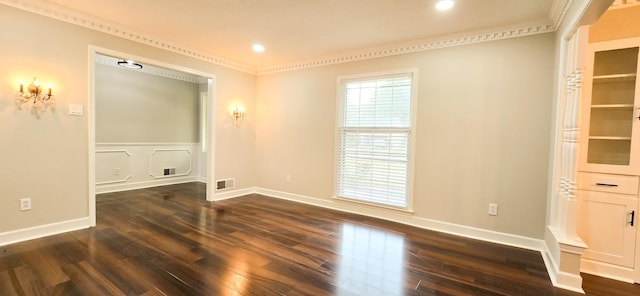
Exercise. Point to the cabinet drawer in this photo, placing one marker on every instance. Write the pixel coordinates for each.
(608, 183)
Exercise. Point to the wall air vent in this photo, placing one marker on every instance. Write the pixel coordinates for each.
(225, 184)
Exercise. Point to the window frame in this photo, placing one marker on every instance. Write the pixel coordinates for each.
(340, 105)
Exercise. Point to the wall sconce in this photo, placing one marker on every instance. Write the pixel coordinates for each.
(40, 100)
(237, 113)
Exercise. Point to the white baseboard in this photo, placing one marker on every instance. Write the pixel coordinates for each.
(614, 272)
(228, 194)
(567, 281)
(482, 234)
(551, 264)
(16, 236)
(145, 184)
(409, 219)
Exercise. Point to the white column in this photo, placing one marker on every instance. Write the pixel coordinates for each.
(563, 226)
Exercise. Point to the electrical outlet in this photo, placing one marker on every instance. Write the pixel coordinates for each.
(493, 209)
(288, 178)
(25, 204)
(116, 171)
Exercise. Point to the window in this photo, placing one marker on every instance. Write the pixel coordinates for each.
(374, 138)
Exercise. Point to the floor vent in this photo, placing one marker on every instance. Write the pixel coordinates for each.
(225, 184)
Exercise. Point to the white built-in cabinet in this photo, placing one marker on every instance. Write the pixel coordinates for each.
(609, 167)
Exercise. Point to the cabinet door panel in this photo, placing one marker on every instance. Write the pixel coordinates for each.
(610, 129)
(605, 227)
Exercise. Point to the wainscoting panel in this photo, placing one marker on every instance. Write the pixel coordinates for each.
(115, 166)
(126, 166)
(166, 163)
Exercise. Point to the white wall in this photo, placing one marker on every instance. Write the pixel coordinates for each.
(483, 131)
(137, 107)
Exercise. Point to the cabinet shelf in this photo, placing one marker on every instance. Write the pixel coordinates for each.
(610, 138)
(614, 78)
(613, 106)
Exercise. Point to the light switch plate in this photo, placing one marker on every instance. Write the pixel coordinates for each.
(493, 209)
(77, 110)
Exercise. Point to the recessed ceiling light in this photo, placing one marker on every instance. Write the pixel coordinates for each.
(444, 5)
(258, 47)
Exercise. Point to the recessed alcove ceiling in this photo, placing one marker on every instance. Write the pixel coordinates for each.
(296, 32)
(151, 69)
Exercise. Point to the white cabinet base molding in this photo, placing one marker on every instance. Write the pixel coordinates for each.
(599, 268)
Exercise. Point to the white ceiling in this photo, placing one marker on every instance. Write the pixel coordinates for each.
(295, 31)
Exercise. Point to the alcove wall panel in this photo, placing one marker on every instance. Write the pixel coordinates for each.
(139, 165)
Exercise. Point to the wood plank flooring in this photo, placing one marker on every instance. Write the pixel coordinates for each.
(170, 241)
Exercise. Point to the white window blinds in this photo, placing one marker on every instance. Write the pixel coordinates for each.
(373, 140)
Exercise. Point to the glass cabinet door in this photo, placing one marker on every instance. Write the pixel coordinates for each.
(612, 111)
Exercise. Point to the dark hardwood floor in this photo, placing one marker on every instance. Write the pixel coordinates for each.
(170, 241)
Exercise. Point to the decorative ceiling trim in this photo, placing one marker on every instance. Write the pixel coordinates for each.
(617, 4)
(557, 14)
(61, 13)
(558, 11)
(424, 46)
(148, 69)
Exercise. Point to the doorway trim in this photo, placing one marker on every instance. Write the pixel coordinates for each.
(91, 120)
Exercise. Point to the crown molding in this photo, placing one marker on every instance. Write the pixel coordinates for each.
(617, 4)
(556, 15)
(148, 69)
(75, 17)
(558, 11)
(425, 45)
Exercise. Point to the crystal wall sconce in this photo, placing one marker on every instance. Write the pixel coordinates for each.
(237, 113)
(35, 97)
